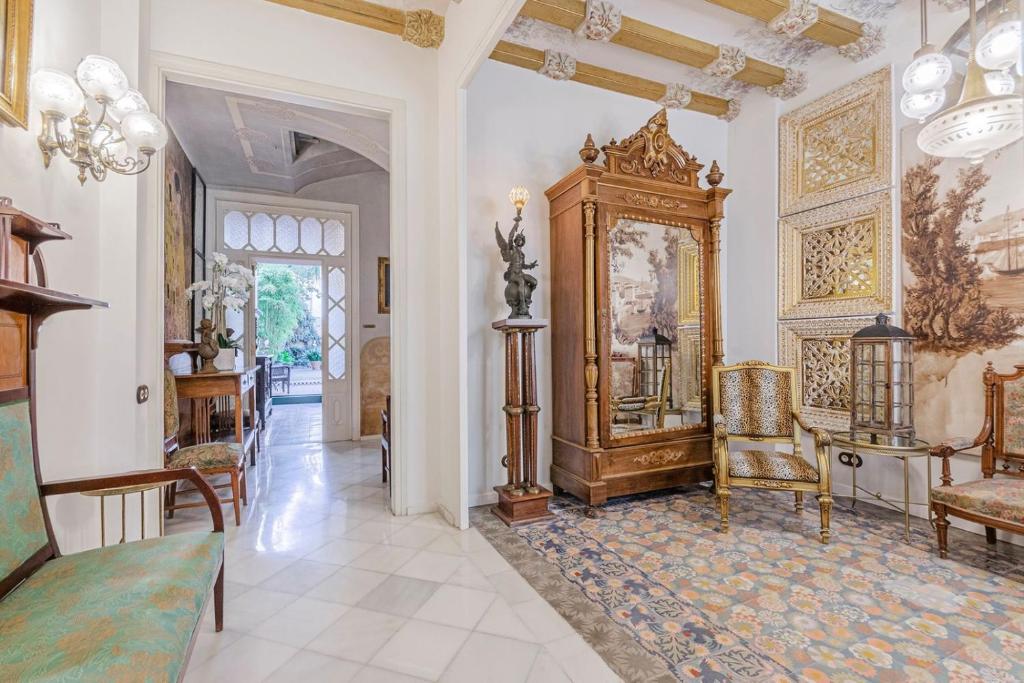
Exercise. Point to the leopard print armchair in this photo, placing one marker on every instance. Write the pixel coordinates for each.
(757, 402)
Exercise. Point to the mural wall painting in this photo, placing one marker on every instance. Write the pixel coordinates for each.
(178, 187)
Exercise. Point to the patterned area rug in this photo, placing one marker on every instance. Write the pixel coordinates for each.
(653, 586)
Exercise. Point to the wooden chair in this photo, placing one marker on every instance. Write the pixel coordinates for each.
(282, 375)
(996, 503)
(656, 407)
(211, 459)
(757, 402)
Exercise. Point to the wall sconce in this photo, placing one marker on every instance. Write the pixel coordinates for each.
(106, 143)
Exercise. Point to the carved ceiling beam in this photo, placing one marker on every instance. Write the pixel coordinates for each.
(420, 27)
(599, 77)
(830, 28)
(653, 40)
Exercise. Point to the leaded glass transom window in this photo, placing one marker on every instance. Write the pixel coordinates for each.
(284, 233)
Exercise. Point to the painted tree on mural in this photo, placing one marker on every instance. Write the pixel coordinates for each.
(945, 308)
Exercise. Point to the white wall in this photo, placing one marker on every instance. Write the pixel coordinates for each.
(527, 129)
(369, 191)
(87, 415)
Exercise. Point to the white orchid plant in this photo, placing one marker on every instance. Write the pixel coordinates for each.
(228, 288)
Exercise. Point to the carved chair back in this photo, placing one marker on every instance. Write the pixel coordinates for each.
(756, 401)
(1003, 450)
(23, 527)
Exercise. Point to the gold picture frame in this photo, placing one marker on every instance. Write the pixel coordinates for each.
(820, 352)
(836, 260)
(838, 146)
(15, 51)
(383, 285)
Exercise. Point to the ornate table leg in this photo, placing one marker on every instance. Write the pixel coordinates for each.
(531, 409)
(513, 411)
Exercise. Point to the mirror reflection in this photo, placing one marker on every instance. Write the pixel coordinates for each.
(655, 302)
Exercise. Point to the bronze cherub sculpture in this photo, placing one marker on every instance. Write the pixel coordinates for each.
(520, 285)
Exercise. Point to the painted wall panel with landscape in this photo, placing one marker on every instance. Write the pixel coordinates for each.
(963, 279)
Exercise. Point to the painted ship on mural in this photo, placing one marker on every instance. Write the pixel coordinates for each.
(998, 247)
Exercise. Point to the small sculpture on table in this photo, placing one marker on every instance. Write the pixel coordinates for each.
(521, 499)
(208, 347)
(519, 290)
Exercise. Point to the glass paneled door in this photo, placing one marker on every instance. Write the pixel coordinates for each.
(282, 241)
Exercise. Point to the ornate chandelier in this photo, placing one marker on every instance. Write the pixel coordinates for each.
(123, 136)
(990, 112)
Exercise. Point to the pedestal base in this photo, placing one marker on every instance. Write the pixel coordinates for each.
(524, 509)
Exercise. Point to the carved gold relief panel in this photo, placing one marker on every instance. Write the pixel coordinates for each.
(820, 352)
(837, 147)
(836, 260)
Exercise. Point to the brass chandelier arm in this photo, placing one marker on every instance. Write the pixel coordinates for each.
(81, 150)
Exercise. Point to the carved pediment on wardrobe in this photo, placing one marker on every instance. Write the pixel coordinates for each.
(652, 153)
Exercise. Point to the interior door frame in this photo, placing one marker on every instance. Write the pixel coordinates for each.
(216, 196)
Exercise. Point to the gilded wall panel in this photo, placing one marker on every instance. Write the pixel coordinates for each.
(838, 146)
(820, 351)
(836, 260)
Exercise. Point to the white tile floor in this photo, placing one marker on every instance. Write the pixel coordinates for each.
(324, 584)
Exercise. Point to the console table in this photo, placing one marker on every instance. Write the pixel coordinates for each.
(199, 387)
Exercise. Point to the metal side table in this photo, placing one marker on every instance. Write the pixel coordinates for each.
(853, 444)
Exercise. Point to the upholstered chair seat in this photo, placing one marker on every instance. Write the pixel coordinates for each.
(1000, 498)
(208, 455)
(776, 465)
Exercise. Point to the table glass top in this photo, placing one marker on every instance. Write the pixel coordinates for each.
(868, 439)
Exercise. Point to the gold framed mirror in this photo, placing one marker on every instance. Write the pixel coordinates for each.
(15, 50)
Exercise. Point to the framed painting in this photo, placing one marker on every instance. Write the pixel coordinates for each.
(838, 146)
(383, 285)
(820, 352)
(836, 260)
(15, 49)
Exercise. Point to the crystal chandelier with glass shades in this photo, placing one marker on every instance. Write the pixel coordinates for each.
(96, 120)
(990, 112)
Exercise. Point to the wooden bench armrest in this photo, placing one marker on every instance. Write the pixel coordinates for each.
(162, 476)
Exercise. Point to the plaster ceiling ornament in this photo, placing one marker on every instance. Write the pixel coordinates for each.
(863, 10)
(275, 110)
(776, 48)
(423, 28)
(677, 96)
(953, 5)
(252, 135)
(870, 43)
(559, 66)
(601, 21)
(731, 60)
(732, 111)
(800, 16)
(793, 84)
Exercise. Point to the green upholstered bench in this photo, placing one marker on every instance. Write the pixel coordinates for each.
(123, 612)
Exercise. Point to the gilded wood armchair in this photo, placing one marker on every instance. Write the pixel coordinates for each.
(757, 402)
(997, 503)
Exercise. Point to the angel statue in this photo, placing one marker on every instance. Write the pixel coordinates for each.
(519, 290)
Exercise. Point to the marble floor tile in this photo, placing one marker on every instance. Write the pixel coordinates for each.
(357, 635)
(312, 666)
(430, 566)
(455, 606)
(247, 659)
(505, 660)
(399, 595)
(421, 649)
(347, 585)
(300, 622)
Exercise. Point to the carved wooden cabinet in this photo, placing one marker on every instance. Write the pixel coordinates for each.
(635, 292)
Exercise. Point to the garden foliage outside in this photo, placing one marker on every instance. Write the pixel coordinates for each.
(285, 327)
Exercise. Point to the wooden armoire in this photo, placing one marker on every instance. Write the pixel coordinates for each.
(635, 316)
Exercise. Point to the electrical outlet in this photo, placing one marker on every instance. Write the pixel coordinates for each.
(142, 394)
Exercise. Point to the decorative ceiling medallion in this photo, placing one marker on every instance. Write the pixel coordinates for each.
(819, 349)
(601, 21)
(836, 260)
(732, 111)
(559, 66)
(423, 28)
(838, 146)
(800, 16)
(793, 84)
(870, 43)
(731, 60)
(677, 96)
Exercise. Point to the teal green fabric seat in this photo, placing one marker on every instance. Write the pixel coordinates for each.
(22, 527)
(120, 613)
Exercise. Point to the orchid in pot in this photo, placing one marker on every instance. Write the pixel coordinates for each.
(228, 288)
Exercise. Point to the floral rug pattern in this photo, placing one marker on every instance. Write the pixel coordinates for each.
(767, 601)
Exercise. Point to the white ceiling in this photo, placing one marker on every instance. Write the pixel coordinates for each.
(239, 141)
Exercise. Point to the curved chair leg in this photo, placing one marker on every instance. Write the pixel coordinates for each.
(825, 502)
(723, 506)
(242, 479)
(941, 529)
(218, 599)
(799, 505)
